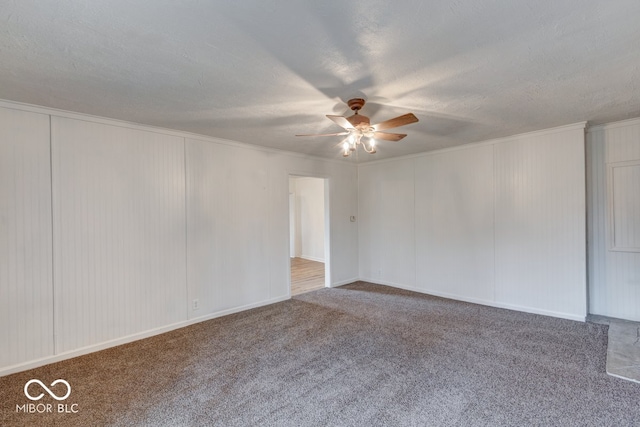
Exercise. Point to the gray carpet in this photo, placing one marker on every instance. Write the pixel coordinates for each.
(359, 355)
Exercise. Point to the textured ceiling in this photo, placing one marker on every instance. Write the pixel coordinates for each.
(260, 71)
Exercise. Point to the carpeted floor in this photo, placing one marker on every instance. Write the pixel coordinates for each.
(359, 355)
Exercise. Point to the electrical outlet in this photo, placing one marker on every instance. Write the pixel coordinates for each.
(196, 304)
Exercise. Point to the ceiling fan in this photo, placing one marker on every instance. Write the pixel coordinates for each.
(358, 126)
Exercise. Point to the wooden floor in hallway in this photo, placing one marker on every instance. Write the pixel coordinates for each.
(306, 275)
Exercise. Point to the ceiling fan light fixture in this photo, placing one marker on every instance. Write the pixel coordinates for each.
(372, 146)
(358, 126)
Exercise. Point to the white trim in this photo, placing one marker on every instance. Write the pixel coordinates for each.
(344, 282)
(565, 128)
(613, 125)
(13, 105)
(312, 258)
(568, 316)
(302, 174)
(130, 338)
(326, 192)
(623, 377)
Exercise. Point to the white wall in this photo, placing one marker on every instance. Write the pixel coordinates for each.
(454, 223)
(613, 181)
(144, 222)
(499, 223)
(342, 203)
(139, 222)
(309, 218)
(227, 226)
(26, 281)
(119, 240)
(386, 222)
(540, 223)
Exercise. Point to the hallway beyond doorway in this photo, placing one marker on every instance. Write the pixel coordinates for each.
(306, 275)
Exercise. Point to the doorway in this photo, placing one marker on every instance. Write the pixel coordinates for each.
(308, 234)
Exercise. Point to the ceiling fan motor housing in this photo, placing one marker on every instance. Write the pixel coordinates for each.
(358, 120)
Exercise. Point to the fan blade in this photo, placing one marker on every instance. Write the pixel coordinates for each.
(396, 122)
(326, 134)
(340, 121)
(387, 136)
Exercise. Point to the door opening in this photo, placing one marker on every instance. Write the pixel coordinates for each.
(308, 234)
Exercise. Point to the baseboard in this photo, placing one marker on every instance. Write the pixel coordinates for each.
(312, 258)
(236, 309)
(130, 338)
(157, 331)
(533, 310)
(344, 282)
(623, 378)
(496, 304)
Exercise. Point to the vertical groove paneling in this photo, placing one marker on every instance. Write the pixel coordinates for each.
(502, 223)
(454, 223)
(26, 296)
(118, 209)
(227, 227)
(387, 234)
(105, 258)
(540, 222)
(614, 276)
